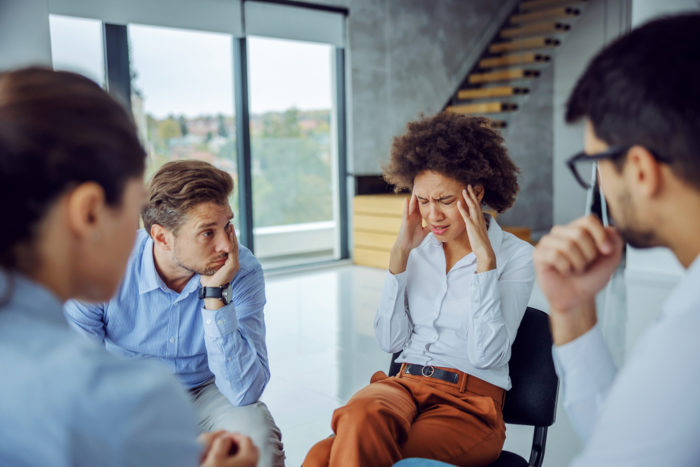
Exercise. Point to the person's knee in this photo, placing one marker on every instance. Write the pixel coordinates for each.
(363, 412)
(319, 454)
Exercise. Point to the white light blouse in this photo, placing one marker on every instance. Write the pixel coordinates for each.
(459, 319)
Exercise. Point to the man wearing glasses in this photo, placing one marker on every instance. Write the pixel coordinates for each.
(640, 100)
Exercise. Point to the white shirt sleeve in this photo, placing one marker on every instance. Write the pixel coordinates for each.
(586, 371)
(498, 303)
(650, 416)
(392, 324)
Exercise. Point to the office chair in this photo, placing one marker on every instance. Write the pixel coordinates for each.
(533, 398)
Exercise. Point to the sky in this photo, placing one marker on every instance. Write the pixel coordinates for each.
(191, 72)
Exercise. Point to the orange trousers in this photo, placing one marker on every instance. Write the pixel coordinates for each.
(415, 416)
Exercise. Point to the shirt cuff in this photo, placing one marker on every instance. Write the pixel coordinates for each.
(394, 285)
(221, 322)
(484, 293)
(585, 366)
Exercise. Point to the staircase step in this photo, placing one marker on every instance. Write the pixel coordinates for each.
(535, 4)
(483, 93)
(483, 108)
(532, 29)
(551, 13)
(523, 44)
(513, 59)
(502, 75)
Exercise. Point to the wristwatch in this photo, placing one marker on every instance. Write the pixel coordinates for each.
(223, 293)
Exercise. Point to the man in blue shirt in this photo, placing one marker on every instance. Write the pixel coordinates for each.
(215, 344)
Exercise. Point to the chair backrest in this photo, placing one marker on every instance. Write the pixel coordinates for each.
(533, 398)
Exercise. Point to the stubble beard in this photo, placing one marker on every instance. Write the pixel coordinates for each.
(194, 269)
(629, 229)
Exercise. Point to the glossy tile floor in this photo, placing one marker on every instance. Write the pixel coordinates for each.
(321, 348)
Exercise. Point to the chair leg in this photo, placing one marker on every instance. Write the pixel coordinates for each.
(539, 442)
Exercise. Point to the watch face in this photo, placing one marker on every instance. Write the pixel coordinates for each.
(227, 293)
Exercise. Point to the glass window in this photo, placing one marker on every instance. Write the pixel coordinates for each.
(293, 155)
(182, 97)
(77, 45)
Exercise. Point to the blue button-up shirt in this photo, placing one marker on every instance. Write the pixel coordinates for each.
(64, 401)
(146, 319)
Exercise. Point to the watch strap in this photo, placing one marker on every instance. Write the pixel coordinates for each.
(214, 292)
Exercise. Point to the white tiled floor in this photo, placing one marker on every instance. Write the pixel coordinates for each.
(321, 348)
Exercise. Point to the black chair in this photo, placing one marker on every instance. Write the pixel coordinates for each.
(533, 398)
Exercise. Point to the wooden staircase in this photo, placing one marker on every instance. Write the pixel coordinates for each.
(502, 76)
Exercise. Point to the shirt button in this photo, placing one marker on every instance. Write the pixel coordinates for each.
(221, 322)
(172, 339)
(229, 359)
(208, 321)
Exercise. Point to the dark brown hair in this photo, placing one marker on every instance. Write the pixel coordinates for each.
(57, 130)
(643, 89)
(460, 147)
(179, 186)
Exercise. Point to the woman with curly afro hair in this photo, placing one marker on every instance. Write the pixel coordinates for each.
(455, 292)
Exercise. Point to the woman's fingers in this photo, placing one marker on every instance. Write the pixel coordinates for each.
(464, 213)
(411, 204)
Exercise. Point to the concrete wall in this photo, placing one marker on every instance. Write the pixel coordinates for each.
(528, 138)
(601, 22)
(406, 57)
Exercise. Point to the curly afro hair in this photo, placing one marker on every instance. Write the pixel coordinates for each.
(460, 147)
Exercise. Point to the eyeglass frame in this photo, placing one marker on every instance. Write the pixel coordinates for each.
(609, 154)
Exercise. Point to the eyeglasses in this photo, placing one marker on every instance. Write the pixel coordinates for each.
(582, 164)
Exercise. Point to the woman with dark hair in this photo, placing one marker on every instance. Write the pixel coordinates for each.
(71, 189)
(456, 290)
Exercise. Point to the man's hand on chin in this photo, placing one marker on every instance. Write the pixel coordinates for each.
(225, 274)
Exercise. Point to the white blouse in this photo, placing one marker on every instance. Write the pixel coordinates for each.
(461, 319)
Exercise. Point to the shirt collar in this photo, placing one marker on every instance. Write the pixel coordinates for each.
(150, 280)
(32, 298)
(685, 296)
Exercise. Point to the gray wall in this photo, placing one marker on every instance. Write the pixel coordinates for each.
(18, 47)
(601, 22)
(406, 57)
(528, 138)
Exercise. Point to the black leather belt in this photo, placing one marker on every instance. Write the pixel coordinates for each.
(431, 372)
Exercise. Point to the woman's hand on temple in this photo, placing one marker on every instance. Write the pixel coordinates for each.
(411, 234)
(473, 216)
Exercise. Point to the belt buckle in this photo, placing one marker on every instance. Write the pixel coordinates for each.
(429, 367)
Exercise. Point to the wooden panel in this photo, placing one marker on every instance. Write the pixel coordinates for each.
(373, 240)
(379, 204)
(523, 233)
(532, 29)
(482, 93)
(551, 13)
(503, 75)
(523, 44)
(371, 257)
(486, 107)
(535, 4)
(379, 224)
